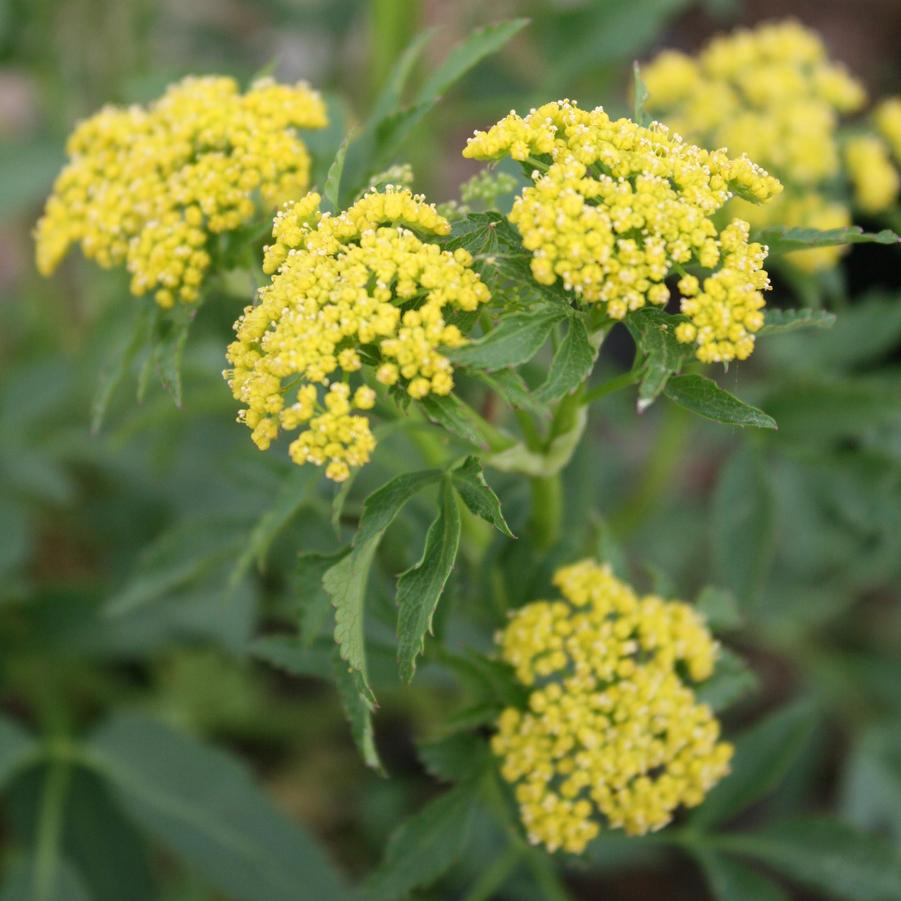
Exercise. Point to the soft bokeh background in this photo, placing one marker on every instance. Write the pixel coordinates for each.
(158, 507)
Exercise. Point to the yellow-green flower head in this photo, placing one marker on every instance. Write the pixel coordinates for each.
(360, 287)
(770, 92)
(615, 208)
(887, 117)
(148, 187)
(872, 174)
(612, 728)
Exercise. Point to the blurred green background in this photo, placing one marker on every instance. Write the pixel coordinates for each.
(118, 589)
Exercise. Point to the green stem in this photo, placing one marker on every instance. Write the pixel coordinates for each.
(495, 876)
(657, 474)
(615, 384)
(53, 799)
(547, 511)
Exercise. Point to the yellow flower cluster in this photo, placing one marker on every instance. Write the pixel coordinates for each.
(887, 117)
(148, 187)
(615, 207)
(871, 172)
(611, 728)
(348, 289)
(772, 93)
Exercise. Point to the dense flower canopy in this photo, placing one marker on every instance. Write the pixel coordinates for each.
(615, 208)
(772, 93)
(361, 287)
(612, 728)
(150, 187)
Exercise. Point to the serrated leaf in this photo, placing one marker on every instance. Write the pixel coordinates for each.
(292, 494)
(654, 333)
(827, 856)
(719, 608)
(424, 846)
(202, 805)
(169, 349)
(703, 397)
(763, 755)
(782, 239)
(469, 480)
(571, 365)
(511, 386)
(358, 710)
(778, 322)
(732, 680)
(455, 415)
(311, 595)
(743, 526)
(730, 880)
(514, 341)
(345, 581)
(111, 377)
(332, 188)
(419, 588)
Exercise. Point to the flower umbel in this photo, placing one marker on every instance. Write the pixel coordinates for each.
(361, 287)
(612, 728)
(615, 208)
(770, 92)
(149, 187)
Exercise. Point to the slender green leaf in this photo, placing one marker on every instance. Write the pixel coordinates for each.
(469, 480)
(730, 880)
(827, 856)
(572, 363)
(358, 710)
(419, 588)
(640, 97)
(732, 680)
(514, 341)
(780, 321)
(332, 187)
(202, 805)
(455, 415)
(311, 595)
(169, 349)
(743, 526)
(391, 94)
(21, 879)
(763, 755)
(704, 397)
(782, 239)
(511, 386)
(380, 508)
(424, 846)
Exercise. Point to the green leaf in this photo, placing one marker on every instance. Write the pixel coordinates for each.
(346, 580)
(424, 846)
(419, 588)
(391, 94)
(201, 804)
(703, 397)
(743, 526)
(572, 363)
(511, 386)
(778, 322)
(826, 856)
(719, 608)
(332, 187)
(517, 339)
(730, 880)
(640, 91)
(469, 480)
(455, 415)
(455, 757)
(111, 377)
(732, 680)
(16, 748)
(312, 598)
(763, 755)
(464, 56)
(654, 332)
(871, 790)
(358, 710)
(293, 493)
(781, 239)
(286, 653)
(169, 349)
(21, 879)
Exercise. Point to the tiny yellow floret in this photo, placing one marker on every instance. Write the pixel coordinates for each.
(361, 287)
(611, 728)
(149, 187)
